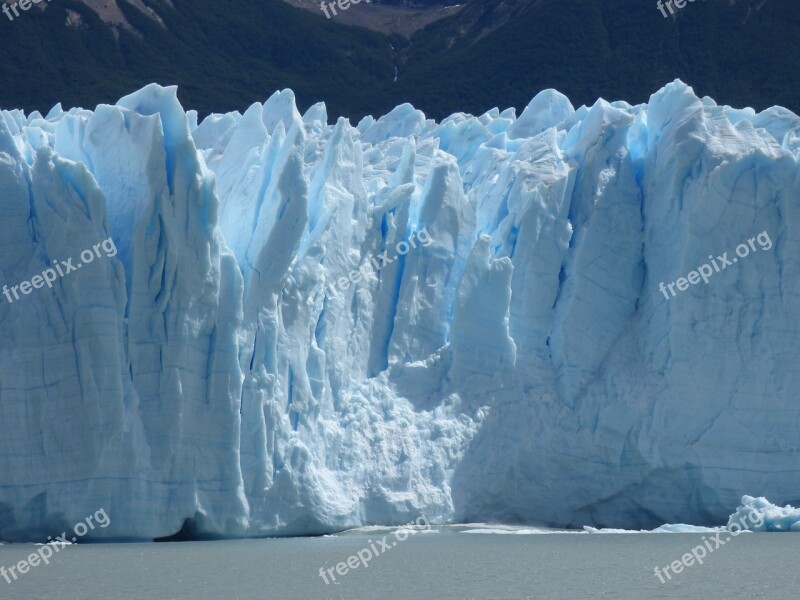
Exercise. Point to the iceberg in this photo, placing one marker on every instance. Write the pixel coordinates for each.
(759, 514)
(309, 327)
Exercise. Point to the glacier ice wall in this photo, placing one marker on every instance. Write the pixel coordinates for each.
(227, 374)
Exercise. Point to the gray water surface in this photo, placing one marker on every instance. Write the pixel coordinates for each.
(439, 565)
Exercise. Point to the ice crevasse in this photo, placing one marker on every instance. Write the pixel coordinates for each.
(226, 374)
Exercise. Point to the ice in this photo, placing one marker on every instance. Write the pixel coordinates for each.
(668, 528)
(499, 531)
(758, 514)
(227, 373)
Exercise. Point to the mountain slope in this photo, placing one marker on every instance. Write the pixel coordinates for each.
(223, 56)
(491, 53)
(398, 17)
(743, 54)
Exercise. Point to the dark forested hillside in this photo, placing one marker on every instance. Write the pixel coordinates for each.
(492, 53)
(222, 55)
(743, 54)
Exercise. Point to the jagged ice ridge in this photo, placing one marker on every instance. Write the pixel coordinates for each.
(523, 367)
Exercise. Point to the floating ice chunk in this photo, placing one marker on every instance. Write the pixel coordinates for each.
(758, 514)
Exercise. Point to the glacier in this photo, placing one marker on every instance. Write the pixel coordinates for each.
(226, 374)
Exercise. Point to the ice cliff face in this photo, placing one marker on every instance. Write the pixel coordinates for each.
(235, 369)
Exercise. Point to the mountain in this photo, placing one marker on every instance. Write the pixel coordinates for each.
(741, 53)
(399, 17)
(222, 55)
(265, 324)
(493, 53)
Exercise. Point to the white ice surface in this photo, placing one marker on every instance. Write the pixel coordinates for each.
(759, 514)
(522, 367)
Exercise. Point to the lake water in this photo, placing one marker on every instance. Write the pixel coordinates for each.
(441, 564)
